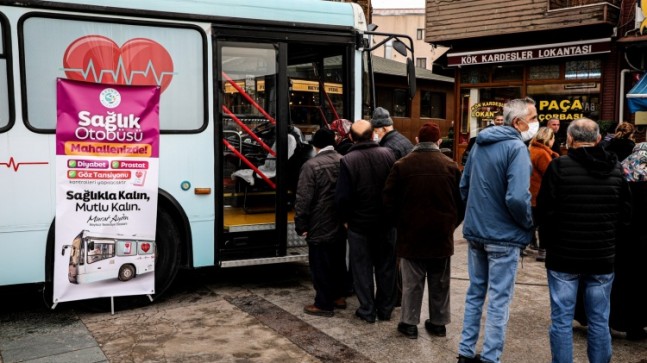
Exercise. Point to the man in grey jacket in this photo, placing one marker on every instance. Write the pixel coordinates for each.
(316, 219)
(498, 225)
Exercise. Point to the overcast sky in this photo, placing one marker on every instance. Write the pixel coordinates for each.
(397, 4)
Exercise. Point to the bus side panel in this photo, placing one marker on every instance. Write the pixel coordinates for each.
(26, 205)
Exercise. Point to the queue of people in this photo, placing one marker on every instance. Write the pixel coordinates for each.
(390, 199)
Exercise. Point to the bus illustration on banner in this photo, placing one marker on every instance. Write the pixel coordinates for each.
(96, 257)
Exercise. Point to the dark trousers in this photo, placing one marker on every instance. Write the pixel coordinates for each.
(437, 271)
(328, 270)
(369, 253)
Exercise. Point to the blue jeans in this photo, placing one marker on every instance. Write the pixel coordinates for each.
(492, 270)
(563, 295)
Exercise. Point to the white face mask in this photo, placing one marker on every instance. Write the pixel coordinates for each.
(375, 137)
(533, 127)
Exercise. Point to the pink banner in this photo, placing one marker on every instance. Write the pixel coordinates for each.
(107, 120)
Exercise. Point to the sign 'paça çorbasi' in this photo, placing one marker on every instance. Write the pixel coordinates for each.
(546, 51)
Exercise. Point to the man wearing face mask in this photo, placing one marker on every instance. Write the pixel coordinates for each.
(498, 225)
(387, 136)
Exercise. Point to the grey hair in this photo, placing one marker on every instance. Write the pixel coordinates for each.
(517, 108)
(583, 130)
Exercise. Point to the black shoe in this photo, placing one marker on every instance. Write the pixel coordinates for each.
(437, 330)
(368, 319)
(409, 331)
(384, 317)
(476, 359)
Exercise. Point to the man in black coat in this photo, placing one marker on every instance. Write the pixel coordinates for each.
(388, 136)
(371, 239)
(316, 219)
(582, 203)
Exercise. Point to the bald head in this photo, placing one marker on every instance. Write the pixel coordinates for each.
(361, 131)
(584, 131)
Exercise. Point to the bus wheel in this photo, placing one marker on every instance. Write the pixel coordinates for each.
(167, 254)
(126, 272)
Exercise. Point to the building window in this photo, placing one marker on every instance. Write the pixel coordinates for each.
(432, 104)
(550, 71)
(421, 63)
(395, 101)
(583, 69)
(420, 34)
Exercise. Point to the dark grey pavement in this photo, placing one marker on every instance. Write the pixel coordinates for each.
(256, 315)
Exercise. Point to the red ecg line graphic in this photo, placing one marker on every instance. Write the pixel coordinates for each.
(15, 166)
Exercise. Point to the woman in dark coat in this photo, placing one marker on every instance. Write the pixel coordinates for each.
(622, 143)
(629, 292)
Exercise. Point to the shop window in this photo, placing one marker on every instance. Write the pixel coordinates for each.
(473, 75)
(550, 71)
(432, 104)
(395, 101)
(507, 73)
(583, 69)
(421, 63)
(4, 81)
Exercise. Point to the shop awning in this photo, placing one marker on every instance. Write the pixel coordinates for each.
(637, 96)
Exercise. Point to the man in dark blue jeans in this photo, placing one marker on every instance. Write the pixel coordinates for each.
(363, 172)
(580, 233)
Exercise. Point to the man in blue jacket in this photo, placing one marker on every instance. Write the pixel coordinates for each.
(498, 225)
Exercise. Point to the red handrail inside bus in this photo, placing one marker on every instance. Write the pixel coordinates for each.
(249, 98)
(248, 130)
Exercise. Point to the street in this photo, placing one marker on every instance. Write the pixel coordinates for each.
(256, 314)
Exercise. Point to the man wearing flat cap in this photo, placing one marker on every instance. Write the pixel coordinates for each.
(387, 136)
(316, 219)
(422, 198)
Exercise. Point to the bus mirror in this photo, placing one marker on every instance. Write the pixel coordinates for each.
(411, 78)
(400, 47)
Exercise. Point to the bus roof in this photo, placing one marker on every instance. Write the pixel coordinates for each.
(297, 11)
(116, 236)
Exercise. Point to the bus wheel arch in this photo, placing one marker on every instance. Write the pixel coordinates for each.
(126, 272)
(173, 241)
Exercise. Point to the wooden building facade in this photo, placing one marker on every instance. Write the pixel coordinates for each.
(565, 54)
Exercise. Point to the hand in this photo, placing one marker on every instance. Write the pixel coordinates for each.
(304, 234)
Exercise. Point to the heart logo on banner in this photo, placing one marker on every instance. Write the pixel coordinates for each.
(140, 61)
(145, 247)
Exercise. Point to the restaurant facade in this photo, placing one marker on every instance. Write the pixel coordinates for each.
(566, 55)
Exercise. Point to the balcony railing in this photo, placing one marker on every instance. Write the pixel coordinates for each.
(565, 4)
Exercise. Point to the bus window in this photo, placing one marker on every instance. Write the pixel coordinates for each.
(99, 250)
(4, 80)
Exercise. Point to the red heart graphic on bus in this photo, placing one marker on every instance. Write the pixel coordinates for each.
(145, 247)
(140, 61)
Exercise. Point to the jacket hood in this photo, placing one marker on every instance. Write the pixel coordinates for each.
(595, 159)
(491, 135)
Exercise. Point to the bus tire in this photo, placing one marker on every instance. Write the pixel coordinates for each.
(126, 272)
(168, 256)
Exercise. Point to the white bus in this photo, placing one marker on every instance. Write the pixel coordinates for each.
(97, 257)
(233, 75)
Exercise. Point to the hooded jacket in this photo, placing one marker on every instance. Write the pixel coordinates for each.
(582, 203)
(495, 187)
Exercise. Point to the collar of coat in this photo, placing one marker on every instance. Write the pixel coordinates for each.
(426, 146)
